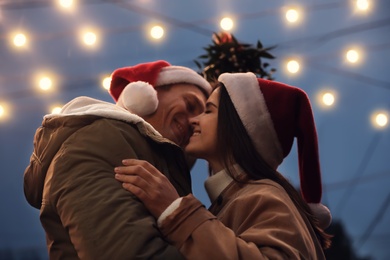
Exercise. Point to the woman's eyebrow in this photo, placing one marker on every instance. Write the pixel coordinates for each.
(208, 104)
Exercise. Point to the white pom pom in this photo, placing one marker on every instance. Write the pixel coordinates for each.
(139, 98)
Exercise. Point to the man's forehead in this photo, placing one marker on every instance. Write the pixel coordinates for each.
(190, 90)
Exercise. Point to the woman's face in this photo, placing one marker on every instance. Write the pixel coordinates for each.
(203, 142)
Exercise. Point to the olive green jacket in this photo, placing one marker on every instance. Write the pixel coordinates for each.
(85, 212)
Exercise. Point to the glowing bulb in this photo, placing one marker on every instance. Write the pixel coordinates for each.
(66, 3)
(293, 66)
(4, 111)
(157, 32)
(292, 15)
(328, 99)
(106, 83)
(45, 83)
(20, 40)
(381, 119)
(89, 38)
(226, 24)
(352, 56)
(56, 110)
(362, 4)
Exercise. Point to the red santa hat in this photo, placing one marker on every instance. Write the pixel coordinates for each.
(274, 114)
(133, 88)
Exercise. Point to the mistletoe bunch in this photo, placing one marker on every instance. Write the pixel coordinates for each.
(226, 54)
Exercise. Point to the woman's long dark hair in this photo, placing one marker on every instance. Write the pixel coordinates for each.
(240, 150)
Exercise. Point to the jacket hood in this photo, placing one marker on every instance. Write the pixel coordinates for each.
(82, 106)
(57, 128)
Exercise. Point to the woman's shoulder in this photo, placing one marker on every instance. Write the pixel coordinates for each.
(264, 189)
(264, 185)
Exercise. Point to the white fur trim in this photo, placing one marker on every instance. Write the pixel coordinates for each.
(178, 74)
(89, 106)
(322, 213)
(168, 211)
(250, 104)
(139, 98)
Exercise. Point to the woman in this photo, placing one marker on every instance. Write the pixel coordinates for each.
(247, 129)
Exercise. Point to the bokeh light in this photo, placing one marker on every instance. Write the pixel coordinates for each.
(328, 99)
(4, 111)
(106, 83)
(380, 119)
(89, 38)
(56, 110)
(362, 4)
(293, 66)
(45, 83)
(292, 15)
(66, 4)
(157, 32)
(226, 23)
(20, 40)
(352, 56)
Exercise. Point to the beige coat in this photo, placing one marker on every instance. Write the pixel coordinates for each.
(249, 221)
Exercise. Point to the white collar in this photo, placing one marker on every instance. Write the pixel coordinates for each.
(216, 183)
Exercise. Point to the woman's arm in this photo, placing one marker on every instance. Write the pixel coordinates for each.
(262, 224)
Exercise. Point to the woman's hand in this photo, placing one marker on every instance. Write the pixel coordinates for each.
(147, 183)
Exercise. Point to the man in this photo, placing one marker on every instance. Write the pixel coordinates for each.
(85, 212)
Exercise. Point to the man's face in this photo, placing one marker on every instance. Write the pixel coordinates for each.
(177, 104)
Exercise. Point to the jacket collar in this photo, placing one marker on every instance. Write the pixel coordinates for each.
(219, 181)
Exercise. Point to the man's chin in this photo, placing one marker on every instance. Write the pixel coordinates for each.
(182, 142)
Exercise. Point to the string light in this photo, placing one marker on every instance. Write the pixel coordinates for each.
(380, 119)
(157, 32)
(292, 15)
(293, 66)
(89, 38)
(352, 56)
(106, 83)
(4, 114)
(66, 4)
(44, 80)
(2, 111)
(20, 40)
(45, 83)
(226, 23)
(56, 110)
(362, 5)
(328, 99)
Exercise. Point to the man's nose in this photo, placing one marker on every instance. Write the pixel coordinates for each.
(194, 121)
